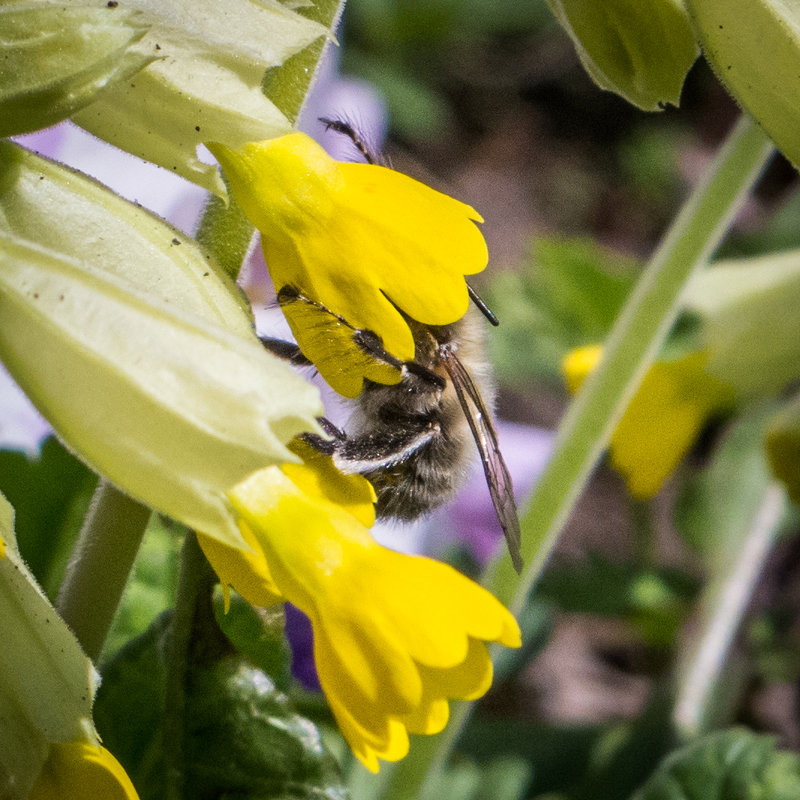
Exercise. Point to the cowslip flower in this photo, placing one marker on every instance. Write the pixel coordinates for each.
(395, 636)
(49, 749)
(667, 413)
(368, 244)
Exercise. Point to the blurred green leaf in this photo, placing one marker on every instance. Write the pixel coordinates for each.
(50, 494)
(257, 633)
(728, 765)
(655, 600)
(753, 46)
(241, 737)
(641, 51)
(569, 295)
(152, 586)
(55, 60)
(715, 509)
(783, 446)
(734, 299)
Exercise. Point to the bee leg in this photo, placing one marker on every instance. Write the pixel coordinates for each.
(370, 343)
(370, 451)
(287, 351)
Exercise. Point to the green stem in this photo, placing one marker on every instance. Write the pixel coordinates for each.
(226, 233)
(722, 608)
(96, 576)
(587, 426)
(192, 607)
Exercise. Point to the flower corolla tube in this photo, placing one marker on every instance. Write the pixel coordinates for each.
(395, 636)
(362, 246)
(669, 410)
(49, 749)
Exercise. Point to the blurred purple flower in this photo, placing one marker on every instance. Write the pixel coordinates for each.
(301, 640)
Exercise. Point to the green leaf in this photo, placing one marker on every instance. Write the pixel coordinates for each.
(569, 296)
(51, 493)
(54, 61)
(207, 83)
(258, 634)
(657, 602)
(728, 765)
(748, 317)
(241, 737)
(715, 509)
(754, 48)
(152, 585)
(641, 51)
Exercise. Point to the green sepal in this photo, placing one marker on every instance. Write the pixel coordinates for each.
(724, 765)
(753, 46)
(206, 85)
(641, 51)
(47, 684)
(54, 61)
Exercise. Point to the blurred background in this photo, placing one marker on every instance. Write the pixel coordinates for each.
(488, 102)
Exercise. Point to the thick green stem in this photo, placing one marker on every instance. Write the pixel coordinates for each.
(587, 426)
(100, 566)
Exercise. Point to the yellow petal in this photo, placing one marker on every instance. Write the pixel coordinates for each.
(395, 636)
(363, 242)
(247, 571)
(669, 410)
(578, 363)
(80, 770)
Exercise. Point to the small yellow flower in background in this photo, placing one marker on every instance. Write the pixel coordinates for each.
(667, 413)
(367, 243)
(81, 770)
(395, 636)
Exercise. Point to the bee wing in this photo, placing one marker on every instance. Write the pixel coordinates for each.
(494, 466)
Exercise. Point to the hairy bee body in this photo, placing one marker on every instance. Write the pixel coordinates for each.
(412, 440)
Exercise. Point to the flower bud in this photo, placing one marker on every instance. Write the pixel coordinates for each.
(641, 51)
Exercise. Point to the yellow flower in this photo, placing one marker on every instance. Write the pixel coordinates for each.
(81, 770)
(395, 636)
(674, 402)
(367, 243)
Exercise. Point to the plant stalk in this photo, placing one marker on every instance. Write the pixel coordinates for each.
(590, 420)
(98, 572)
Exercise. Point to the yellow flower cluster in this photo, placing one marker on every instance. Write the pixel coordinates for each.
(395, 636)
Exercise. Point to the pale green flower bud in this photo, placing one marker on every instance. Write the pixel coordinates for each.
(206, 84)
(748, 315)
(55, 60)
(640, 50)
(114, 328)
(47, 684)
(754, 48)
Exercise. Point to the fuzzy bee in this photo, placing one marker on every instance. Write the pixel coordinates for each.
(413, 440)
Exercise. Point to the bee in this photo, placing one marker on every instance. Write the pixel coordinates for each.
(413, 440)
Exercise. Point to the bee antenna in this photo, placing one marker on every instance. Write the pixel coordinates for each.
(349, 130)
(484, 309)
